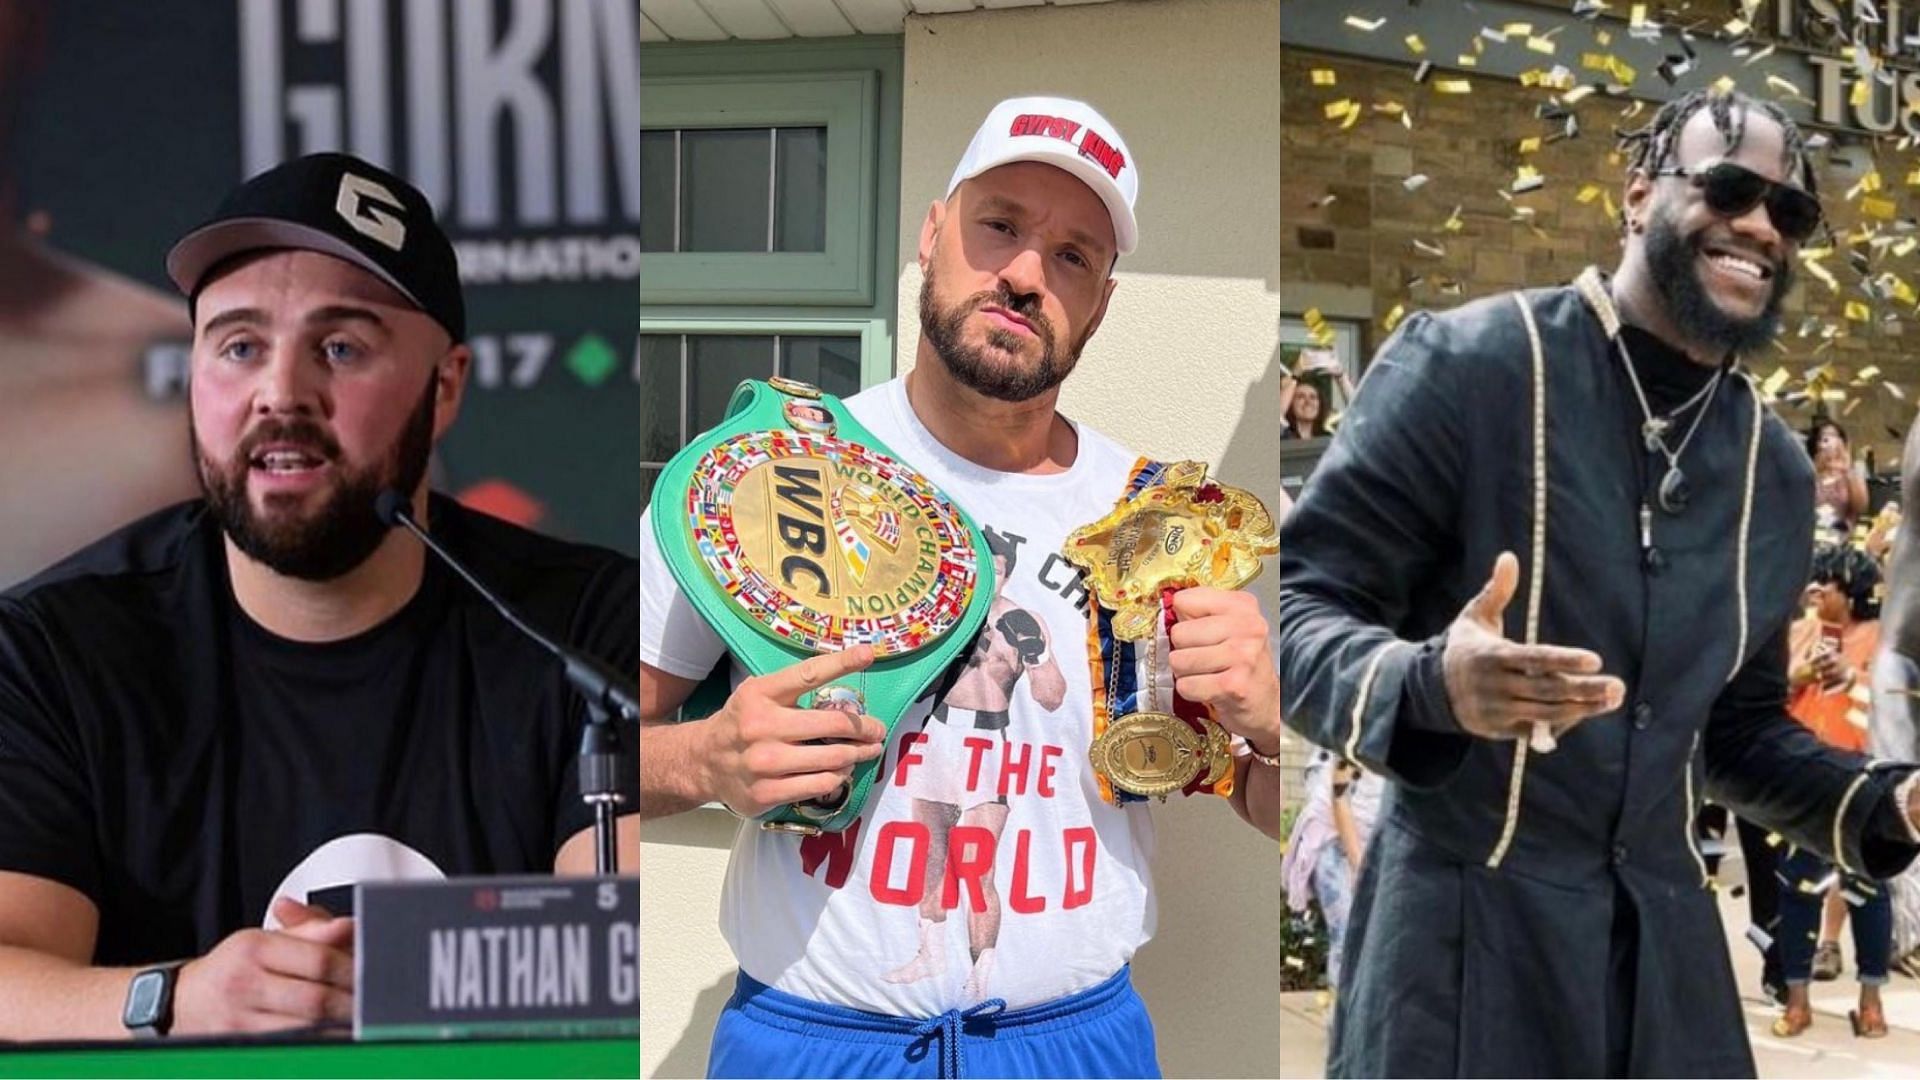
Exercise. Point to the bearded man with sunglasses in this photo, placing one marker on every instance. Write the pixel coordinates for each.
(1542, 581)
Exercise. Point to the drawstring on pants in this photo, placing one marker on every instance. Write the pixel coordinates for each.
(948, 1025)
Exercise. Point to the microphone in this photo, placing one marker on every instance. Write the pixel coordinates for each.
(599, 683)
(603, 688)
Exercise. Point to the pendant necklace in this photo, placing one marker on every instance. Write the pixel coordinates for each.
(1673, 492)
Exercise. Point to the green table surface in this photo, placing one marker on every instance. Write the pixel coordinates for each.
(476, 1058)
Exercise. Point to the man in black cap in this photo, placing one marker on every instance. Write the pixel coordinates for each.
(215, 718)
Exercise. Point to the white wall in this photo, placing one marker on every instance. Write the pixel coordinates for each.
(1185, 366)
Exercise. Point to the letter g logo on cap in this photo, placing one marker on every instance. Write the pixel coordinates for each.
(365, 205)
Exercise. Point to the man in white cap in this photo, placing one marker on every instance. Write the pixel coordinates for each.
(843, 972)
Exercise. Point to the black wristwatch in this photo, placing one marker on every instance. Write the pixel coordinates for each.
(149, 1009)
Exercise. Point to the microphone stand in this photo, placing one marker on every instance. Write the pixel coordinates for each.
(599, 685)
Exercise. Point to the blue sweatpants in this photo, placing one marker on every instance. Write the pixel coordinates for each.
(1101, 1031)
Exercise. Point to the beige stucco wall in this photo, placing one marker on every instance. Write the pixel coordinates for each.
(1186, 366)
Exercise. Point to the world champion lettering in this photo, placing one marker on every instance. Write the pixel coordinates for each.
(495, 967)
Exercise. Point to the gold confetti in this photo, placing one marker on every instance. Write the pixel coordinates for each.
(1773, 839)
(1736, 27)
(1771, 388)
(1415, 45)
(1596, 61)
(1393, 318)
(1638, 16)
(1588, 193)
(1723, 85)
(1905, 247)
(1298, 964)
(1453, 222)
(1530, 145)
(1867, 374)
(1541, 45)
(1879, 209)
(1317, 327)
(1468, 60)
(1787, 88)
(1826, 276)
(1858, 97)
(1604, 37)
(1527, 178)
(1453, 86)
(1324, 77)
(1606, 203)
(1858, 312)
(1365, 25)
(1337, 109)
(1517, 29)
(1866, 185)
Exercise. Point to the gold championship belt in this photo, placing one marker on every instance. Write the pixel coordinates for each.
(1174, 530)
(794, 531)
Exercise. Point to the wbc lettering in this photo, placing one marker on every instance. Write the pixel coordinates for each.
(800, 488)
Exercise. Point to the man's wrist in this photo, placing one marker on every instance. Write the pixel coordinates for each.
(1261, 754)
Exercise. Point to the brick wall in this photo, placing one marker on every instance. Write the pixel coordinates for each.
(1468, 146)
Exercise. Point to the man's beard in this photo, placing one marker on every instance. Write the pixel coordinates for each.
(1674, 261)
(969, 364)
(344, 531)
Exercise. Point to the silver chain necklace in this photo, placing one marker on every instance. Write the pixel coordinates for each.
(1673, 491)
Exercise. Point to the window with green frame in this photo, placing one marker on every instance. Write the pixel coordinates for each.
(770, 205)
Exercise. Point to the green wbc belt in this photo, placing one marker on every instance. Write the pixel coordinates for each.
(794, 531)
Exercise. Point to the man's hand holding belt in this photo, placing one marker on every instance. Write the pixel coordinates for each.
(1221, 660)
(763, 750)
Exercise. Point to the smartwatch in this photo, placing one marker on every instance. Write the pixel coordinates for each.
(149, 1009)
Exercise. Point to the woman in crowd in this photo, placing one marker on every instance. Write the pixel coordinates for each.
(1840, 486)
(1329, 840)
(1831, 652)
(1303, 404)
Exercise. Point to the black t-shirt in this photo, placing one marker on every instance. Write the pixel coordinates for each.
(173, 760)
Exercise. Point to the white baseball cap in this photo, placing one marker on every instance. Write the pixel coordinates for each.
(1066, 134)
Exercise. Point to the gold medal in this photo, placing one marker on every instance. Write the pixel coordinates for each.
(1181, 533)
(1155, 753)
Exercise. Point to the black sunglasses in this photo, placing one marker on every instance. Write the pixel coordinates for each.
(1732, 190)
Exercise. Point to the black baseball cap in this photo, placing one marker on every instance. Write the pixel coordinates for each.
(338, 205)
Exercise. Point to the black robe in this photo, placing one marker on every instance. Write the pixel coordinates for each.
(1529, 914)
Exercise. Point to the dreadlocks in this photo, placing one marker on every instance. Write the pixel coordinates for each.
(1649, 148)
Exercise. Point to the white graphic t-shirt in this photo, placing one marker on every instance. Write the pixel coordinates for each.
(985, 864)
